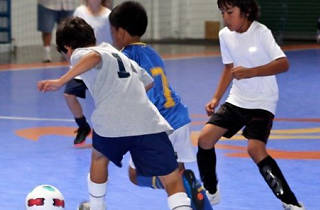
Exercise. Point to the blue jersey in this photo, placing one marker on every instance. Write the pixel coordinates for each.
(161, 94)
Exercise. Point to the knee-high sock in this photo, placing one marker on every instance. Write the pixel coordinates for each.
(97, 194)
(179, 201)
(207, 167)
(276, 181)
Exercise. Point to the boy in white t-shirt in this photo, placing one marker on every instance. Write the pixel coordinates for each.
(123, 120)
(97, 16)
(252, 58)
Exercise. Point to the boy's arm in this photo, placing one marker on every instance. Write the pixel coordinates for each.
(86, 63)
(274, 67)
(224, 82)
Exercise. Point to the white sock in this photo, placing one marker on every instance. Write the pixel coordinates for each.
(179, 201)
(47, 55)
(97, 194)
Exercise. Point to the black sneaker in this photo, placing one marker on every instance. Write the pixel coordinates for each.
(82, 134)
(193, 189)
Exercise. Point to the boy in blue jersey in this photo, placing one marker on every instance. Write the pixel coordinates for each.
(128, 23)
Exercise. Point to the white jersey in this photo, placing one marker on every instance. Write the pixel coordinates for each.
(100, 23)
(117, 85)
(253, 48)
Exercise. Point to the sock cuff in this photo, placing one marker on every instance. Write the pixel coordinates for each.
(95, 189)
(47, 48)
(179, 201)
(266, 161)
(82, 122)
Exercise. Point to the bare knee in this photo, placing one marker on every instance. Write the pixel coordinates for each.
(132, 175)
(205, 142)
(209, 136)
(257, 150)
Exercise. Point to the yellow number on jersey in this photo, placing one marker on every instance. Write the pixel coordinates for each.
(166, 91)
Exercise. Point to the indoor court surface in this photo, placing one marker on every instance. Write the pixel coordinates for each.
(36, 134)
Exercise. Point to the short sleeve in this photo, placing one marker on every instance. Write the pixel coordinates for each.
(77, 55)
(270, 45)
(225, 54)
(143, 75)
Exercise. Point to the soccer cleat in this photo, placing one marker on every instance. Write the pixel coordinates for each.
(82, 134)
(193, 189)
(214, 198)
(293, 207)
(84, 206)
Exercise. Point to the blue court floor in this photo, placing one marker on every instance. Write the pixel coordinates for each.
(37, 140)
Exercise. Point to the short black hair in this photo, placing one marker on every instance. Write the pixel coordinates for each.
(131, 16)
(74, 32)
(249, 7)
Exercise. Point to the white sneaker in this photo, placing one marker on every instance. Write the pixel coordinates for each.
(84, 206)
(215, 198)
(292, 207)
(318, 38)
(47, 54)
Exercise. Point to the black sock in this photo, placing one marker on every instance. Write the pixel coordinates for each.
(207, 167)
(276, 181)
(82, 122)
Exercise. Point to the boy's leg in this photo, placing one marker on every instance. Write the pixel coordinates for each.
(153, 155)
(206, 158)
(177, 198)
(76, 88)
(76, 109)
(46, 21)
(97, 180)
(271, 172)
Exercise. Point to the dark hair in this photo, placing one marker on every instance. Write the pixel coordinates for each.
(249, 7)
(131, 16)
(74, 32)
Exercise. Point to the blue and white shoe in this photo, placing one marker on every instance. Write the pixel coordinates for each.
(195, 191)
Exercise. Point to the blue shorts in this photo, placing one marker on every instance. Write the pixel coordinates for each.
(48, 17)
(76, 87)
(152, 154)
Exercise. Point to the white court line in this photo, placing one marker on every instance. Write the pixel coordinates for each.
(35, 119)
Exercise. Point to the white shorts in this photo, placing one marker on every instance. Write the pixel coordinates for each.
(182, 145)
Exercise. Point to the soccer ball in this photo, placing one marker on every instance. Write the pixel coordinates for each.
(44, 197)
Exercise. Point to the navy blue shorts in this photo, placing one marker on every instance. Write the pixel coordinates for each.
(257, 122)
(152, 154)
(47, 18)
(76, 87)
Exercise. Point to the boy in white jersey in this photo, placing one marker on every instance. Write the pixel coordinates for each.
(123, 120)
(97, 16)
(252, 58)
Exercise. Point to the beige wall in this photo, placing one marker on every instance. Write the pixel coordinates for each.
(167, 19)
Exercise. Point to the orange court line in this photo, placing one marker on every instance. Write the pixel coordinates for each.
(6, 67)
